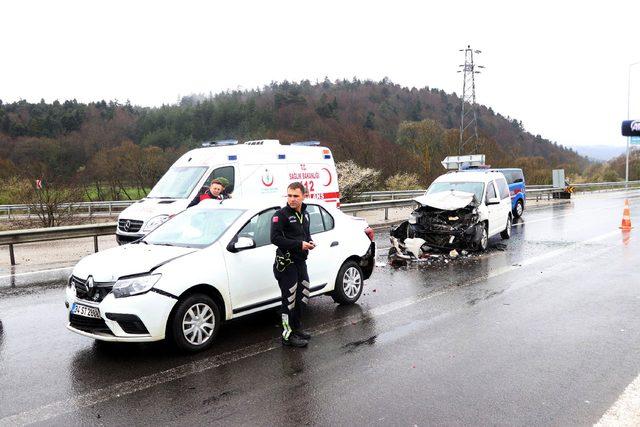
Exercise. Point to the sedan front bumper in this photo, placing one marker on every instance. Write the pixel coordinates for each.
(137, 318)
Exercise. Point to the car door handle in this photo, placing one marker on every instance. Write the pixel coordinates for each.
(334, 244)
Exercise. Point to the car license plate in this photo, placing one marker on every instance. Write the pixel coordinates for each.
(83, 310)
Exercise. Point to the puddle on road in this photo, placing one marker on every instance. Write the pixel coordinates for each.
(488, 295)
(386, 337)
(13, 289)
(352, 346)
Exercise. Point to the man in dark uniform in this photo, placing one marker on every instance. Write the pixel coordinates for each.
(290, 233)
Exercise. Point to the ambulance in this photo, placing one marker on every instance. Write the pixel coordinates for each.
(254, 169)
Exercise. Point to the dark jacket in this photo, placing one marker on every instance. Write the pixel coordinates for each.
(287, 233)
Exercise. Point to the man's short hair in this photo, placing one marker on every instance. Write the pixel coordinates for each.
(297, 185)
(216, 181)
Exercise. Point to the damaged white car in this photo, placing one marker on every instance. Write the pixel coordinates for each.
(460, 210)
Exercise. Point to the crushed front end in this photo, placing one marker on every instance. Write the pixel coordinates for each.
(431, 228)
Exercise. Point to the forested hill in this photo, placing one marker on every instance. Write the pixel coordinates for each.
(376, 124)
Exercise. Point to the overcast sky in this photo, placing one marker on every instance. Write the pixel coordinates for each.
(559, 67)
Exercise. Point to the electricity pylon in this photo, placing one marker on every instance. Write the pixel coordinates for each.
(468, 116)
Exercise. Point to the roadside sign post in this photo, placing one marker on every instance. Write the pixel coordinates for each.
(630, 129)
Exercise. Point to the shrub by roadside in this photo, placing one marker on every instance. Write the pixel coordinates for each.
(403, 181)
(354, 179)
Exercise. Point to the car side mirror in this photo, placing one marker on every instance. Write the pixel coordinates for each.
(493, 201)
(242, 244)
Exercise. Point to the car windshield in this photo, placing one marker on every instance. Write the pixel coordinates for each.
(194, 228)
(177, 183)
(477, 188)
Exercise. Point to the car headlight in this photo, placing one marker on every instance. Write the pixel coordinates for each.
(134, 285)
(154, 223)
(413, 218)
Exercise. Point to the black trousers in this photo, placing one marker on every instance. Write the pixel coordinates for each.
(294, 288)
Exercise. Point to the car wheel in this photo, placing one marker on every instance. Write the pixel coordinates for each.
(195, 323)
(517, 212)
(349, 283)
(483, 244)
(506, 233)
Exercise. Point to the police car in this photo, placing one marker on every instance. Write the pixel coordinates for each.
(255, 169)
(517, 189)
(207, 265)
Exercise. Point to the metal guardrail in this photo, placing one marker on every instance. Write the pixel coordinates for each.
(389, 195)
(12, 238)
(91, 208)
(114, 206)
(380, 204)
(55, 233)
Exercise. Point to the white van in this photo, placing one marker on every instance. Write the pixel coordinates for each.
(253, 169)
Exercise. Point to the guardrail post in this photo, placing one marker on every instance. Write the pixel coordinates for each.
(89, 211)
(11, 255)
(29, 212)
(386, 214)
(110, 209)
(95, 243)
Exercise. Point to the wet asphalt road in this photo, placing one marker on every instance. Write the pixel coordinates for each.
(544, 331)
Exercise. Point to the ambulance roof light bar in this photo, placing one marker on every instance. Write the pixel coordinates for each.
(220, 143)
(463, 162)
(306, 143)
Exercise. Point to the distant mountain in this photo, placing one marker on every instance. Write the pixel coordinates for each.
(600, 152)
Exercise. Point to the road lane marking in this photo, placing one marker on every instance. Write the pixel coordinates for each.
(548, 255)
(626, 410)
(114, 391)
(52, 410)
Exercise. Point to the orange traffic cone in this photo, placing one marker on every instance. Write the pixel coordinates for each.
(626, 217)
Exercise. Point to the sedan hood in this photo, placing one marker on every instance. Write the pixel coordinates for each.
(109, 265)
(446, 200)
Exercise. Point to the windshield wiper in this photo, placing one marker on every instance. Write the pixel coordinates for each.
(163, 244)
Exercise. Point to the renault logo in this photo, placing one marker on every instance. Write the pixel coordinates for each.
(127, 225)
(90, 283)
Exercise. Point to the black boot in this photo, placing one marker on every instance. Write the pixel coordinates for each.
(302, 334)
(294, 341)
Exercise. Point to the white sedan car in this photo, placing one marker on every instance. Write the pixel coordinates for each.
(211, 263)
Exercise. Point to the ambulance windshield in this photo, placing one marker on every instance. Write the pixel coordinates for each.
(177, 183)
